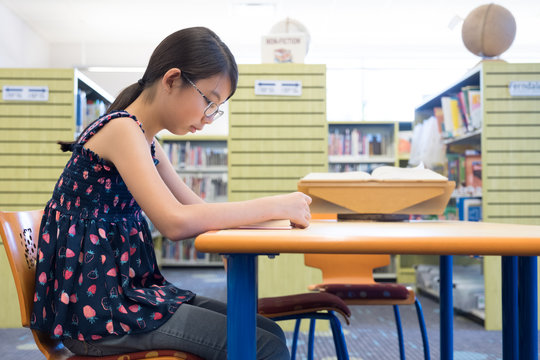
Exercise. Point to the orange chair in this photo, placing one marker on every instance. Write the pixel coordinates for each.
(350, 276)
(19, 231)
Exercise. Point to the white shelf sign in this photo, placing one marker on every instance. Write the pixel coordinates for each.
(524, 88)
(25, 93)
(278, 87)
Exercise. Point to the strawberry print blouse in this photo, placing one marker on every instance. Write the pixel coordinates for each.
(97, 274)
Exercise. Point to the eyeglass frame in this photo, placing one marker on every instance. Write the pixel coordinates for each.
(217, 113)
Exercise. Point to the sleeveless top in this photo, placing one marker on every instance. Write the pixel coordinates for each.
(96, 273)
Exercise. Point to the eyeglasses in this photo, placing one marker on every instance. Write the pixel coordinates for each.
(211, 111)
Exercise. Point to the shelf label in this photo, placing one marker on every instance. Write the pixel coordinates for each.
(25, 93)
(278, 87)
(524, 88)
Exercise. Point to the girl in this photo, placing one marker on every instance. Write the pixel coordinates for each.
(98, 287)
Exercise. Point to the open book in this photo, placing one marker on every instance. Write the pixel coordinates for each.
(418, 173)
(283, 224)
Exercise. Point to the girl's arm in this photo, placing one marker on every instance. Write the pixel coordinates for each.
(180, 190)
(122, 142)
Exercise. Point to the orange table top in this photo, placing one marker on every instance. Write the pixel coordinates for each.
(422, 237)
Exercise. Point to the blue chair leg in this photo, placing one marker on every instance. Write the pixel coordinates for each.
(400, 333)
(295, 338)
(339, 338)
(337, 333)
(422, 323)
(311, 339)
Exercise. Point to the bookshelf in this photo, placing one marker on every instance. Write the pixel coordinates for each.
(30, 159)
(361, 146)
(507, 139)
(201, 161)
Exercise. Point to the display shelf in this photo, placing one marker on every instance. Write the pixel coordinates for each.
(469, 138)
(507, 140)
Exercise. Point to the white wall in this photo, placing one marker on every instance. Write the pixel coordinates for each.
(20, 46)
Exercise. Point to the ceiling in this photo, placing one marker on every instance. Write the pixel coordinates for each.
(377, 31)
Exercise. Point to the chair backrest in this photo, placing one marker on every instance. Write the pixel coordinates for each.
(346, 268)
(20, 232)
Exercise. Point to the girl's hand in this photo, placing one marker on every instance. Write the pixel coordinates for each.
(295, 207)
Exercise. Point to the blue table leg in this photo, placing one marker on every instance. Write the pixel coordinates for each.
(447, 307)
(241, 306)
(528, 307)
(510, 331)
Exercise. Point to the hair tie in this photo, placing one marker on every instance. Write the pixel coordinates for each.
(140, 82)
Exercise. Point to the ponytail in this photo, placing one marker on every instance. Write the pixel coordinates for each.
(127, 96)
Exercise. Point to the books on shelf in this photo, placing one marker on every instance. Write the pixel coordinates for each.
(473, 169)
(185, 155)
(210, 187)
(352, 141)
(460, 112)
(184, 252)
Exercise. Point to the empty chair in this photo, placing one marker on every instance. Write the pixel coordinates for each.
(350, 276)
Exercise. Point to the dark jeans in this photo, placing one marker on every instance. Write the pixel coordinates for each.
(198, 327)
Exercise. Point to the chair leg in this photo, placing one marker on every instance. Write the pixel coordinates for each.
(339, 338)
(295, 338)
(311, 339)
(422, 323)
(337, 333)
(400, 332)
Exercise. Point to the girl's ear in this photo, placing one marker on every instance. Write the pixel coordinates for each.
(170, 77)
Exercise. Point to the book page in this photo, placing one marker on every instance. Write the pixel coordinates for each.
(283, 224)
(351, 175)
(397, 173)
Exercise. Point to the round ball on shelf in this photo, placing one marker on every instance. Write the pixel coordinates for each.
(488, 30)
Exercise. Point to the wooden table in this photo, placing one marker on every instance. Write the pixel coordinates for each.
(423, 237)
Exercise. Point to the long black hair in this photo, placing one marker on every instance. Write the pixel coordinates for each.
(198, 52)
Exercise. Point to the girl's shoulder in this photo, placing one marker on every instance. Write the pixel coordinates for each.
(97, 125)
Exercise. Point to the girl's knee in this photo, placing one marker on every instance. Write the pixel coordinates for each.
(272, 347)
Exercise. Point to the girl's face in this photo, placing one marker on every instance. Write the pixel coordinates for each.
(188, 105)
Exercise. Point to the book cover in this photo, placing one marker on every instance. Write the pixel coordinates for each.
(281, 224)
(469, 208)
(457, 120)
(453, 167)
(466, 90)
(447, 115)
(438, 112)
(473, 170)
(475, 108)
(463, 109)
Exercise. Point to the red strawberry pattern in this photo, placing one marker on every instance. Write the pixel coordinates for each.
(113, 285)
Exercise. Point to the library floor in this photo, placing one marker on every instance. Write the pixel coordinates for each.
(370, 336)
